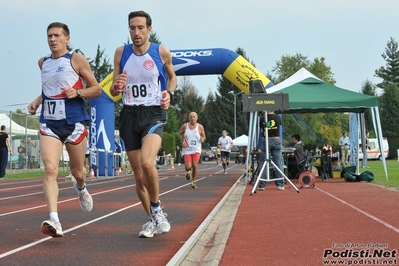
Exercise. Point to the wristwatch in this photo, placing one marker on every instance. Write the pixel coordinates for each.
(79, 92)
(171, 93)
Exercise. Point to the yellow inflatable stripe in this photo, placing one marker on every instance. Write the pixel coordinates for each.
(106, 85)
(240, 72)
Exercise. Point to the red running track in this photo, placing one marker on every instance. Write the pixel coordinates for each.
(271, 227)
(108, 235)
(316, 226)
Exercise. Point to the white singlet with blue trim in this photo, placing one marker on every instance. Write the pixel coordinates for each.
(58, 73)
(146, 76)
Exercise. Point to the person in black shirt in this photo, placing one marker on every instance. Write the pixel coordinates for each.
(178, 155)
(237, 161)
(5, 148)
(161, 155)
(299, 156)
(274, 146)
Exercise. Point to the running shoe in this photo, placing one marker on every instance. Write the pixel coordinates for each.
(85, 199)
(193, 184)
(261, 188)
(148, 230)
(52, 228)
(161, 223)
(188, 175)
(280, 187)
(225, 172)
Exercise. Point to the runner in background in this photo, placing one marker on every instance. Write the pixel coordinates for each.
(218, 155)
(191, 135)
(225, 143)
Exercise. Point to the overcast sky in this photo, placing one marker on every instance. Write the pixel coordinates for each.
(351, 35)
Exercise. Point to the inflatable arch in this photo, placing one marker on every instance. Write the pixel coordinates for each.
(188, 62)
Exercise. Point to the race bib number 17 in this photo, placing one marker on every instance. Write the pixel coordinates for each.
(54, 109)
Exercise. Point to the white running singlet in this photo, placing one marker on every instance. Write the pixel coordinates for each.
(192, 138)
(225, 143)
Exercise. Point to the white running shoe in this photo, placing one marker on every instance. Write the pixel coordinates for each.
(52, 228)
(85, 199)
(280, 187)
(161, 223)
(148, 230)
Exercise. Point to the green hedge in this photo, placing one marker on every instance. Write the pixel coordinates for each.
(393, 143)
(169, 143)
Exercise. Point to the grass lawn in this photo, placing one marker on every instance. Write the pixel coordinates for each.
(31, 174)
(377, 168)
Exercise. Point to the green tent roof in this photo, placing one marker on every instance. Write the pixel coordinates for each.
(315, 96)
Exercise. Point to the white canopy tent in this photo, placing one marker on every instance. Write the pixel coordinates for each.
(241, 141)
(300, 75)
(13, 128)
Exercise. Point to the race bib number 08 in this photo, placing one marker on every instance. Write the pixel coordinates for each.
(139, 93)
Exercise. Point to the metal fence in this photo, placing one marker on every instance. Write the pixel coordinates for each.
(23, 131)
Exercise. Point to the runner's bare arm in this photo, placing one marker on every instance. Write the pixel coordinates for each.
(118, 79)
(82, 66)
(182, 131)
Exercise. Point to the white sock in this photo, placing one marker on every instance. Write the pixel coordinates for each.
(155, 209)
(81, 190)
(54, 216)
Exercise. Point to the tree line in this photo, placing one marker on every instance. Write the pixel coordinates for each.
(216, 112)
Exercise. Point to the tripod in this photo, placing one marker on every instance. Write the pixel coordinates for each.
(256, 101)
(266, 163)
(252, 143)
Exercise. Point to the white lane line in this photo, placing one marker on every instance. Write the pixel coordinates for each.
(74, 198)
(22, 181)
(21, 187)
(362, 212)
(63, 201)
(22, 195)
(87, 223)
(41, 192)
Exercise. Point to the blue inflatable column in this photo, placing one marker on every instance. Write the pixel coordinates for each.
(102, 126)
